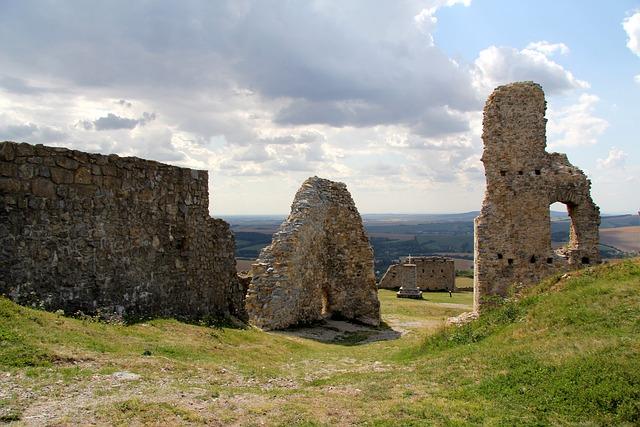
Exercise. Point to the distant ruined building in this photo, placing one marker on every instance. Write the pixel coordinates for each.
(513, 231)
(319, 264)
(112, 235)
(432, 273)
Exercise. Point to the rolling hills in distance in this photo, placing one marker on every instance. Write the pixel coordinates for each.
(396, 235)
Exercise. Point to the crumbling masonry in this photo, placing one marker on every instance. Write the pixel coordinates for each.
(319, 264)
(513, 231)
(433, 273)
(111, 235)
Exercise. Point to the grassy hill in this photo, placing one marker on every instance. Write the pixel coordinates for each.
(567, 352)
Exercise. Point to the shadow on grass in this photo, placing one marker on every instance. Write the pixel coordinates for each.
(342, 332)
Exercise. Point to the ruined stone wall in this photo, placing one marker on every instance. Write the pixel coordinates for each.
(513, 231)
(433, 274)
(105, 234)
(319, 264)
(392, 278)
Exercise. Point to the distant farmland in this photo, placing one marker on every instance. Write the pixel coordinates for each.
(244, 264)
(394, 236)
(623, 238)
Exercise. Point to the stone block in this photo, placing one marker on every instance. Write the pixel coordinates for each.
(25, 171)
(109, 170)
(82, 175)
(111, 183)
(8, 169)
(24, 150)
(9, 185)
(43, 171)
(84, 190)
(67, 163)
(7, 151)
(61, 176)
(42, 151)
(43, 187)
(35, 160)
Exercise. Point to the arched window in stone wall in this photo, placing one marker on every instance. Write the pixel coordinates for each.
(584, 217)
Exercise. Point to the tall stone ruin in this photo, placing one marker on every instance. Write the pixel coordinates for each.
(112, 235)
(513, 231)
(319, 264)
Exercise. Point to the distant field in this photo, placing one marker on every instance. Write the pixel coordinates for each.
(393, 236)
(267, 229)
(464, 282)
(244, 264)
(463, 264)
(623, 238)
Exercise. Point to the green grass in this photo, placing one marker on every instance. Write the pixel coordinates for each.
(566, 352)
(464, 282)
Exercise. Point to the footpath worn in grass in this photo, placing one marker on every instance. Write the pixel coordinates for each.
(567, 352)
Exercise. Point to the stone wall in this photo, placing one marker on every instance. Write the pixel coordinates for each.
(318, 265)
(432, 274)
(105, 234)
(513, 231)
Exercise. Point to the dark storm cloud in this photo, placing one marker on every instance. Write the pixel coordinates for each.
(437, 122)
(114, 122)
(111, 121)
(360, 63)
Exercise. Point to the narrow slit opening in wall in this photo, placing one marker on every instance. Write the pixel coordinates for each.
(510, 261)
(499, 256)
(520, 172)
(585, 260)
(325, 303)
(533, 259)
(503, 173)
(537, 171)
(549, 260)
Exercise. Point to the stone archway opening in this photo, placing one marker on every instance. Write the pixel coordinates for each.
(580, 242)
(561, 228)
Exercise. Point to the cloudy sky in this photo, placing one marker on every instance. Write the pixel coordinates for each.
(385, 96)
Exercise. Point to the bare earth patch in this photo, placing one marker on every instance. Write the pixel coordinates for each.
(343, 332)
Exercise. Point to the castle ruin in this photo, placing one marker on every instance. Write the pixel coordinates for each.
(112, 235)
(432, 273)
(513, 230)
(319, 264)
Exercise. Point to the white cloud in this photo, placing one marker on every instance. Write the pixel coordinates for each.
(426, 21)
(500, 65)
(615, 159)
(576, 125)
(637, 78)
(631, 26)
(547, 48)
(233, 92)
